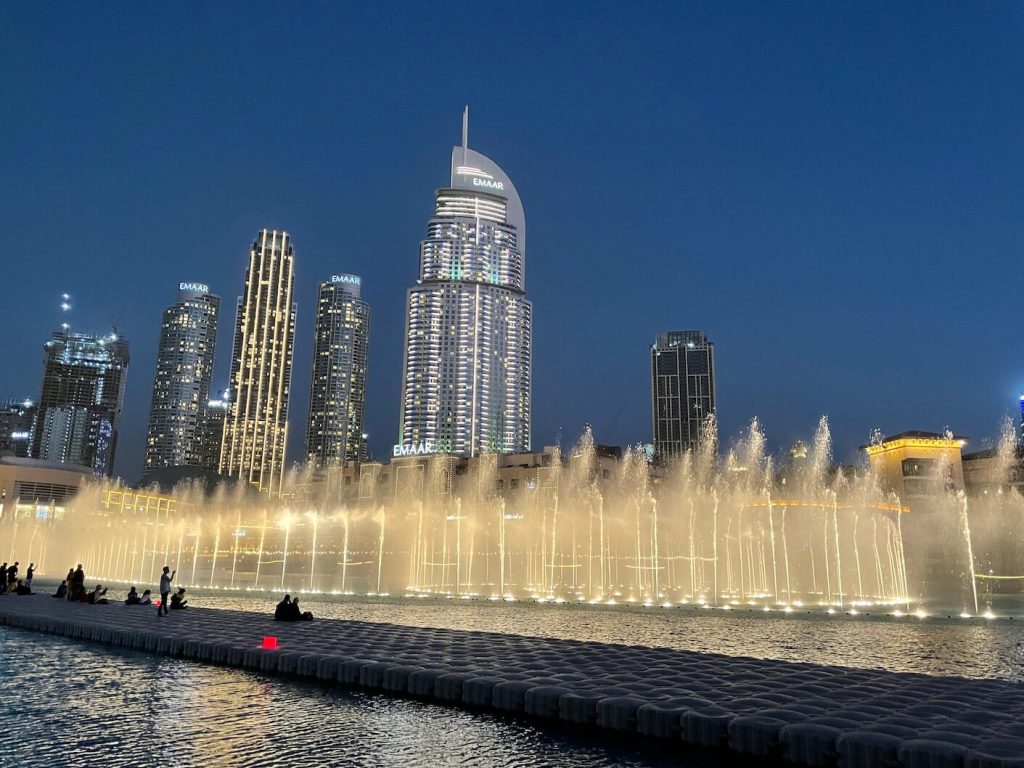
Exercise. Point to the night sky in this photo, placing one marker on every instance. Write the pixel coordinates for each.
(831, 191)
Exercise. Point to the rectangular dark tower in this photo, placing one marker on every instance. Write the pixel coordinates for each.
(682, 391)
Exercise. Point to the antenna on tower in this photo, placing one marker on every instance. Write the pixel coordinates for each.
(65, 306)
(465, 133)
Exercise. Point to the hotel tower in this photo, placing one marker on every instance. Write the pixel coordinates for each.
(466, 381)
(337, 391)
(256, 425)
(181, 386)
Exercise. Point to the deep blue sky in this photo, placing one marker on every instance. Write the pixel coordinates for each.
(832, 191)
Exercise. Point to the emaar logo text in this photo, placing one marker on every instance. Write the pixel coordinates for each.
(489, 183)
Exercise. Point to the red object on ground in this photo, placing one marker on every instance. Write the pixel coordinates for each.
(270, 643)
(158, 602)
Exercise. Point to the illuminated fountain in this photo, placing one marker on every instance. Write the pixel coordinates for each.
(717, 532)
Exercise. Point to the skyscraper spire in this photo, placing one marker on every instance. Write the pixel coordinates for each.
(465, 133)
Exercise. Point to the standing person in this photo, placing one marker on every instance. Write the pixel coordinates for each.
(77, 584)
(12, 576)
(28, 575)
(165, 590)
(3, 578)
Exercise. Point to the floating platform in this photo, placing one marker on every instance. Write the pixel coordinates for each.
(806, 714)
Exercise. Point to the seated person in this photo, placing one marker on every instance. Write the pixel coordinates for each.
(146, 598)
(133, 598)
(295, 614)
(178, 599)
(22, 589)
(283, 608)
(62, 591)
(96, 597)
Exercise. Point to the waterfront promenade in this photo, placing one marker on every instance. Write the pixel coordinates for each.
(807, 714)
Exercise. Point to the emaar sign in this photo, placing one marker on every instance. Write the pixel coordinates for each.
(347, 279)
(197, 287)
(414, 449)
(488, 183)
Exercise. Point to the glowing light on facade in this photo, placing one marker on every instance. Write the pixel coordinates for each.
(256, 427)
(469, 324)
(337, 392)
(80, 405)
(181, 386)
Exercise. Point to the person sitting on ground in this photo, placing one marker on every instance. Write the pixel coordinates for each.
(146, 599)
(133, 597)
(22, 589)
(178, 599)
(96, 597)
(281, 611)
(295, 614)
(62, 591)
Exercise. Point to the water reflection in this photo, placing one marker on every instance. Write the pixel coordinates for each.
(76, 705)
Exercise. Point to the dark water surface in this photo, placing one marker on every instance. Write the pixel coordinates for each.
(69, 704)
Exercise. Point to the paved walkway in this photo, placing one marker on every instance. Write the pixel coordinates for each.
(807, 714)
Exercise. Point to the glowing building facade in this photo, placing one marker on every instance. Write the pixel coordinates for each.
(181, 386)
(337, 392)
(466, 382)
(79, 410)
(682, 391)
(256, 425)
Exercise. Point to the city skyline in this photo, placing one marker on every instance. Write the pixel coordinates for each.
(821, 244)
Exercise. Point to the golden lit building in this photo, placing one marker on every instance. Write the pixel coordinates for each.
(918, 464)
(256, 427)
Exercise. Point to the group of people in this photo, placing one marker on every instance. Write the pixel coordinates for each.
(288, 610)
(11, 584)
(72, 589)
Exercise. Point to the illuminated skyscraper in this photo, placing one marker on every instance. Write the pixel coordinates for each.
(256, 427)
(80, 405)
(682, 391)
(468, 323)
(337, 391)
(181, 387)
(212, 434)
(16, 419)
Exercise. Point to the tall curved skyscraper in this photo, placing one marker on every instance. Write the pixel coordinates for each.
(468, 322)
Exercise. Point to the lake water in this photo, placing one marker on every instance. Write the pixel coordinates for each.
(69, 704)
(76, 704)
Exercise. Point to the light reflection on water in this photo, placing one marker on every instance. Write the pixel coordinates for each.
(936, 645)
(66, 703)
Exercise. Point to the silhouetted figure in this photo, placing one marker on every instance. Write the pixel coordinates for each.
(22, 589)
(62, 591)
(76, 587)
(29, 574)
(133, 598)
(96, 597)
(12, 576)
(178, 600)
(3, 578)
(283, 608)
(296, 614)
(146, 598)
(165, 590)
